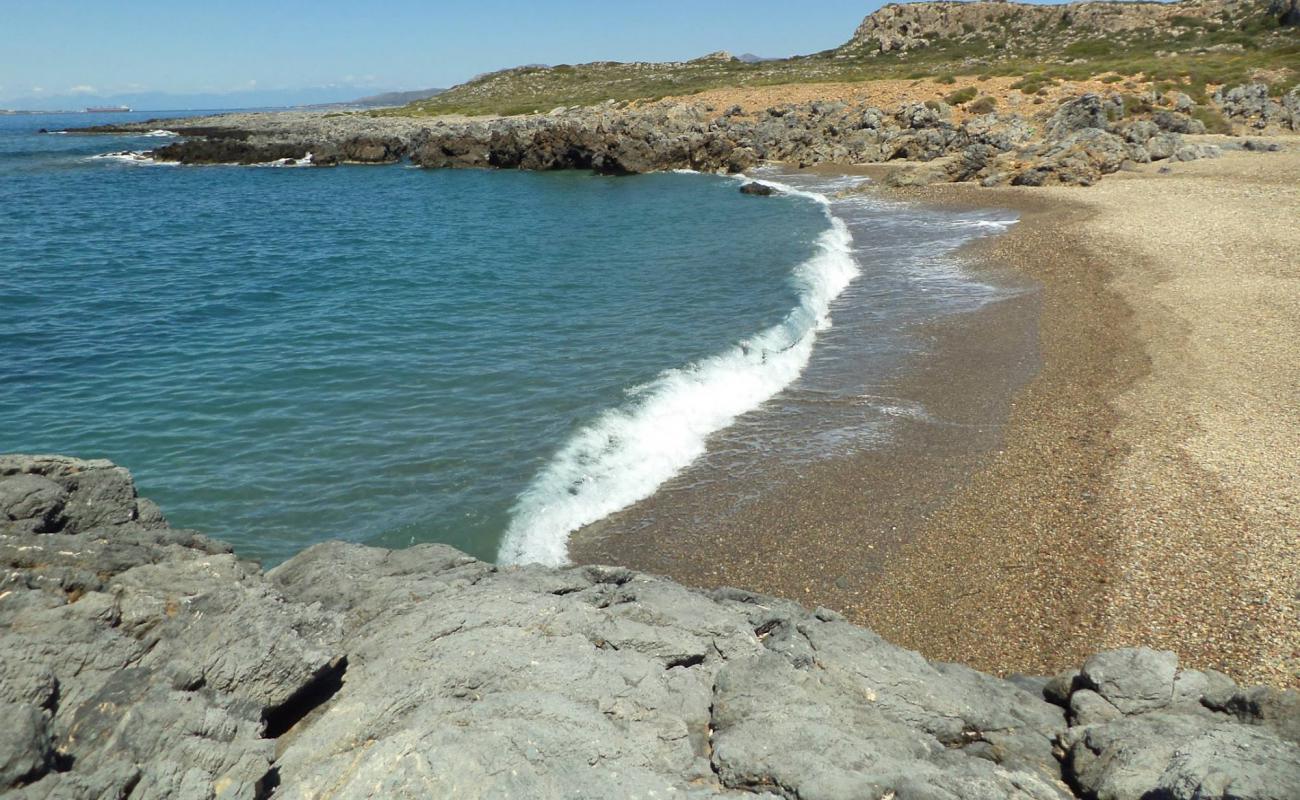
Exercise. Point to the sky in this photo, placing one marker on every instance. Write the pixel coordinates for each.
(91, 49)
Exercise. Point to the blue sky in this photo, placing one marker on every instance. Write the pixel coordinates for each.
(101, 48)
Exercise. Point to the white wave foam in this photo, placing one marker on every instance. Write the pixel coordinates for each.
(628, 452)
(135, 157)
(159, 133)
(998, 224)
(305, 161)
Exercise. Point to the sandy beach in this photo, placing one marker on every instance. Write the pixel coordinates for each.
(1140, 488)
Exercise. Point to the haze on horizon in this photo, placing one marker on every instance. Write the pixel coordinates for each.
(66, 54)
(70, 53)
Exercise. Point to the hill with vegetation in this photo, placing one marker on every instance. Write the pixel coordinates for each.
(1193, 44)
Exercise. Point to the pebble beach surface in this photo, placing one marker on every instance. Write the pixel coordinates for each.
(1144, 488)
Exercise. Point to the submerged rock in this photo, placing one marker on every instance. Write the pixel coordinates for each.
(137, 659)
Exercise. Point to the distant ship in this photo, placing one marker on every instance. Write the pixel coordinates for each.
(107, 109)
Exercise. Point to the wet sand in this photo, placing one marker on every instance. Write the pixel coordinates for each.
(1141, 488)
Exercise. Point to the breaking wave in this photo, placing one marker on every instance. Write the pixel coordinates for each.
(628, 452)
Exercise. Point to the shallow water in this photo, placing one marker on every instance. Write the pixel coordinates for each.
(391, 355)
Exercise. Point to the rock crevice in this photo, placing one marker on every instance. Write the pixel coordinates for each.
(355, 672)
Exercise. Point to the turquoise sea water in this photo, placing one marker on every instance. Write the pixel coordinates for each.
(390, 355)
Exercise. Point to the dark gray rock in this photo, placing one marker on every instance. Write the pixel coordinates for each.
(1264, 706)
(1087, 707)
(33, 503)
(1252, 104)
(1164, 146)
(1139, 131)
(156, 660)
(1174, 122)
(138, 660)
(26, 750)
(1133, 679)
(1180, 757)
(760, 189)
(1081, 113)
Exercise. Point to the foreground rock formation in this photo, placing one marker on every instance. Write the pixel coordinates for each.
(138, 660)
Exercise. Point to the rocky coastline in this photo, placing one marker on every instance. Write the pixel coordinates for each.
(144, 661)
(1076, 143)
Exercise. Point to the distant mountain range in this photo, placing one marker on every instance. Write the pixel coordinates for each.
(384, 99)
(250, 98)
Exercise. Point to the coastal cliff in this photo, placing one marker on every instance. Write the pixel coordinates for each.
(144, 661)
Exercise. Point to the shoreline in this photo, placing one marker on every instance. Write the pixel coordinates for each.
(1022, 556)
(1025, 553)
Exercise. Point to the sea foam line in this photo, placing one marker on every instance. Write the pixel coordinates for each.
(628, 452)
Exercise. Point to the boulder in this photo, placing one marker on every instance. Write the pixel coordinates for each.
(1133, 679)
(1080, 113)
(1175, 122)
(759, 189)
(26, 750)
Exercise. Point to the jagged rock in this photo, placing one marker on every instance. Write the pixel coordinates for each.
(1133, 679)
(1145, 729)
(26, 750)
(1086, 111)
(1177, 123)
(918, 115)
(1181, 757)
(33, 503)
(630, 140)
(1087, 707)
(1271, 708)
(760, 189)
(145, 661)
(1081, 158)
(230, 151)
(1002, 131)
(1252, 104)
(159, 658)
(1163, 146)
(1139, 131)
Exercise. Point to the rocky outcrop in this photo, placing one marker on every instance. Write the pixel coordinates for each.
(1078, 142)
(137, 659)
(1253, 105)
(140, 660)
(900, 27)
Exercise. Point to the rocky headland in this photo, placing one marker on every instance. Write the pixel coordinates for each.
(1076, 142)
(990, 92)
(144, 661)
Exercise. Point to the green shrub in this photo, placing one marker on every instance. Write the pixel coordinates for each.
(961, 96)
(1213, 120)
(1112, 79)
(948, 79)
(1032, 84)
(1136, 105)
(984, 105)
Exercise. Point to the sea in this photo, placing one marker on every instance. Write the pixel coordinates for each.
(284, 355)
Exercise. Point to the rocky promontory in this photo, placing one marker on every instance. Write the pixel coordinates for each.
(147, 662)
(1076, 142)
